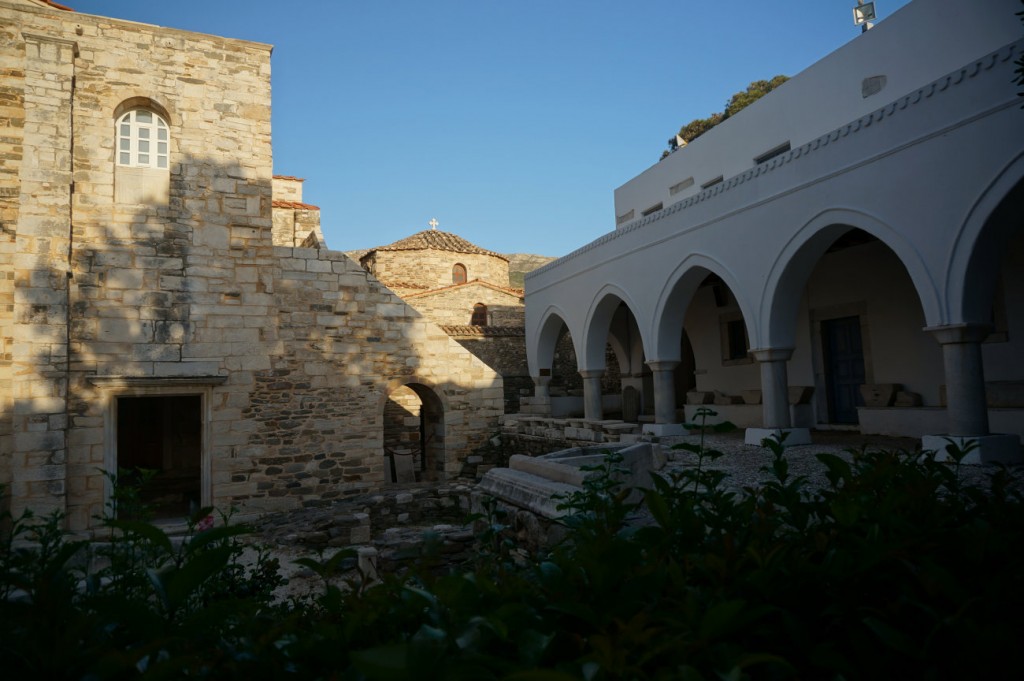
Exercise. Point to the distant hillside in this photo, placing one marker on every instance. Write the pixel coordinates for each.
(521, 263)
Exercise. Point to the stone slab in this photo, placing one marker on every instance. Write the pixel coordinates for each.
(526, 490)
(548, 469)
(621, 428)
(531, 484)
(879, 394)
(905, 398)
(700, 397)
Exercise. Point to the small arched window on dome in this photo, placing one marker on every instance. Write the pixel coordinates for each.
(479, 315)
(459, 274)
(143, 140)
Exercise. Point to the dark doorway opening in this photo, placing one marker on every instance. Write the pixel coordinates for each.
(163, 435)
(413, 435)
(844, 368)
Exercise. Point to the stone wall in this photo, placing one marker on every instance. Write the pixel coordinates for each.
(12, 122)
(287, 188)
(293, 226)
(38, 72)
(292, 351)
(565, 376)
(454, 306)
(345, 343)
(294, 223)
(423, 277)
(504, 350)
(432, 268)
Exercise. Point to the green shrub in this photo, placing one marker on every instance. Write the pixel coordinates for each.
(895, 569)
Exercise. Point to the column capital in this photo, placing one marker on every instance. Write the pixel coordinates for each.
(591, 373)
(541, 380)
(772, 354)
(663, 364)
(959, 333)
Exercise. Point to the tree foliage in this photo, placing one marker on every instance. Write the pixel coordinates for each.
(736, 103)
(754, 92)
(1020, 61)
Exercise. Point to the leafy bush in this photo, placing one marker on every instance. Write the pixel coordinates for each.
(895, 569)
(739, 101)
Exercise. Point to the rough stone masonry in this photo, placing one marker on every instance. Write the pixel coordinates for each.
(122, 283)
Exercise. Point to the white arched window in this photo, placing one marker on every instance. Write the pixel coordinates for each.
(143, 140)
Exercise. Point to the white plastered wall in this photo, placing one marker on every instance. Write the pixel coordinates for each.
(828, 94)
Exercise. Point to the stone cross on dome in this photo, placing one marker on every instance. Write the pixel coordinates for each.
(433, 223)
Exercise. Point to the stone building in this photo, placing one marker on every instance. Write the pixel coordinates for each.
(465, 289)
(845, 253)
(160, 305)
(295, 223)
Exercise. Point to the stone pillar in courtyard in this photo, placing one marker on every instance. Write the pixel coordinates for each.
(775, 399)
(540, 403)
(665, 422)
(540, 386)
(592, 409)
(966, 403)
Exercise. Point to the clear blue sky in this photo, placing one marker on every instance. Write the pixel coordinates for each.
(510, 121)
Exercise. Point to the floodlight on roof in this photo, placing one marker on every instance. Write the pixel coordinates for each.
(863, 13)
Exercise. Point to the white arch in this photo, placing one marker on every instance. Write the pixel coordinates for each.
(783, 290)
(541, 351)
(598, 323)
(674, 299)
(968, 292)
(435, 392)
(626, 341)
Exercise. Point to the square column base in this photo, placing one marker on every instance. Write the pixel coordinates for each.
(664, 429)
(794, 436)
(989, 449)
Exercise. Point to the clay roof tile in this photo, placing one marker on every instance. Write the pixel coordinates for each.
(437, 240)
(294, 205)
(56, 5)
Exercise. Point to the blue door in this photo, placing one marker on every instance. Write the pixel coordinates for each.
(844, 368)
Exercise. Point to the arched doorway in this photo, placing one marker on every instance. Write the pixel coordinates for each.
(557, 369)
(867, 355)
(413, 418)
(985, 290)
(626, 385)
(614, 351)
(703, 326)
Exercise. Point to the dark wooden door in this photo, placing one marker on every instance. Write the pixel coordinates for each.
(844, 368)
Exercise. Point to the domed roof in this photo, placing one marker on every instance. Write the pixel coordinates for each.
(437, 240)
